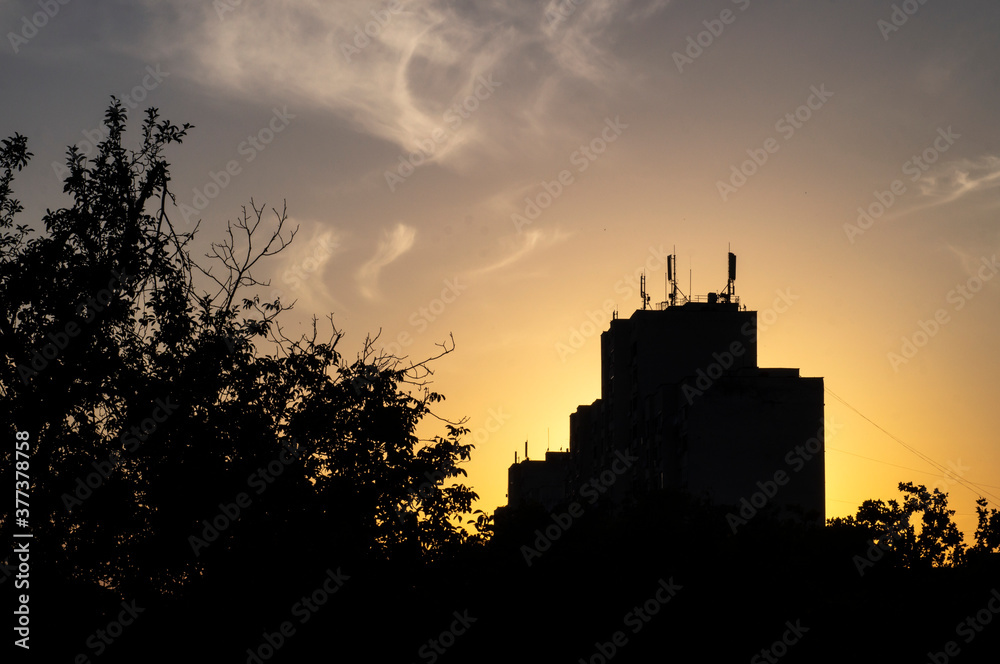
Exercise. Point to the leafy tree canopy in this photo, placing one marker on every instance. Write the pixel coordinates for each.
(890, 526)
(143, 381)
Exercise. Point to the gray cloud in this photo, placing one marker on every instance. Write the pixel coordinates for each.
(395, 74)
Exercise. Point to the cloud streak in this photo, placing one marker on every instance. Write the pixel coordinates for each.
(393, 244)
(964, 178)
(519, 245)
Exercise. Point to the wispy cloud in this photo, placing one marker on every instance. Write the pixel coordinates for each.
(972, 261)
(302, 269)
(391, 246)
(951, 182)
(394, 74)
(519, 245)
(961, 179)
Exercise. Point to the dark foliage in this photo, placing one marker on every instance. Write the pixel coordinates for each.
(157, 391)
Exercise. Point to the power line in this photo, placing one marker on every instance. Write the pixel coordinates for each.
(926, 472)
(918, 453)
(910, 448)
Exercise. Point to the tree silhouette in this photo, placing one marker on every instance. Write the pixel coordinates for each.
(152, 406)
(185, 452)
(888, 526)
(987, 538)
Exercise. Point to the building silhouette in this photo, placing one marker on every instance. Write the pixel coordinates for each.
(684, 402)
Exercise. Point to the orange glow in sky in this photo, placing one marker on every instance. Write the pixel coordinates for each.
(501, 175)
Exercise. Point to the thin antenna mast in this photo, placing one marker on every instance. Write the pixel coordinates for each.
(676, 295)
(672, 278)
(732, 276)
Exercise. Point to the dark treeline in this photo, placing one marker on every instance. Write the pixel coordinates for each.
(201, 487)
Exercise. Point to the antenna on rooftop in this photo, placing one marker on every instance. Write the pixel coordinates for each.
(730, 292)
(672, 295)
(642, 291)
(675, 295)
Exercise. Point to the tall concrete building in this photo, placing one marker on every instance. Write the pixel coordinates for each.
(683, 397)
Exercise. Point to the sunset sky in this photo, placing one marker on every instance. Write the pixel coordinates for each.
(503, 171)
